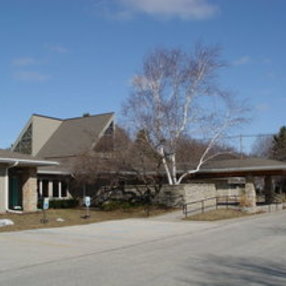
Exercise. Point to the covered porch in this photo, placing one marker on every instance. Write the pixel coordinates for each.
(18, 181)
(249, 169)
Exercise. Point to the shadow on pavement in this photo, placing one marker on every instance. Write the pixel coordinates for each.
(217, 271)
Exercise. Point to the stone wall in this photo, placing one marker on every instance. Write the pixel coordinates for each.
(172, 196)
(176, 196)
(29, 190)
(225, 189)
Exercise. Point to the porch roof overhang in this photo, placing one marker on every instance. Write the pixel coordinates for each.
(27, 162)
(242, 168)
(8, 157)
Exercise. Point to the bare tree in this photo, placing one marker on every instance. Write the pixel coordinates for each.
(175, 95)
(117, 160)
(262, 146)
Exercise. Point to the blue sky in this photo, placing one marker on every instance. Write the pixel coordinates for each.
(63, 58)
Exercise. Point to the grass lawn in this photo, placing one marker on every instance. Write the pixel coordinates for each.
(218, 215)
(72, 217)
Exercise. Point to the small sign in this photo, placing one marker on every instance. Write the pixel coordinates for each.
(87, 201)
(46, 204)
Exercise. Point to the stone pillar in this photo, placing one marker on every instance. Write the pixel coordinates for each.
(29, 189)
(250, 192)
(268, 190)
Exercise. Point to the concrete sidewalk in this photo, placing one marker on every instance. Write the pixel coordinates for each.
(174, 216)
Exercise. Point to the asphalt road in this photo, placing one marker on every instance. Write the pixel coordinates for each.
(249, 251)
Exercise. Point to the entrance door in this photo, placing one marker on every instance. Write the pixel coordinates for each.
(15, 193)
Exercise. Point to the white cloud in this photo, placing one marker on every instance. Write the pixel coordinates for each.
(184, 9)
(24, 62)
(58, 49)
(242, 61)
(30, 76)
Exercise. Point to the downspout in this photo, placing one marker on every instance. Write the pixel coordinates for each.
(15, 164)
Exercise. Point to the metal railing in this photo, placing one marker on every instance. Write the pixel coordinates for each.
(202, 205)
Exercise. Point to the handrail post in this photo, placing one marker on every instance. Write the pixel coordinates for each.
(185, 210)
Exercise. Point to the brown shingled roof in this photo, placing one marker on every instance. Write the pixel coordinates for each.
(75, 135)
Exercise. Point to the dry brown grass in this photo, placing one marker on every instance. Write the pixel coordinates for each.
(72, 217)
(219, 214)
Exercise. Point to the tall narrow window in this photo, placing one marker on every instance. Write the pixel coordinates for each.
(64, 189)
(45, 186)
(110, 129)
(55, 189)
(25, 144)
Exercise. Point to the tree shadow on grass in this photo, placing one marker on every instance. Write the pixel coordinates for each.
(218, 271)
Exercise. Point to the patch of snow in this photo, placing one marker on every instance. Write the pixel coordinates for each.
(5, 222)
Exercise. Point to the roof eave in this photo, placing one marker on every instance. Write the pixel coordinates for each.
(244, 169)
(28, 162)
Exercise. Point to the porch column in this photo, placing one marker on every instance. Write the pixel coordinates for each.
(29, 190)
(41, 188)
(268, 190)
(250, 191)
(50, 189)
(60, 189)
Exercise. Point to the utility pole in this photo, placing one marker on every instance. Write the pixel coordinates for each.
(240, 145)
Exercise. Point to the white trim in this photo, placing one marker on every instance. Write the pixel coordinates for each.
(41, 188)
(101, 133)
(257, 168)
(28, 161)
(50, 189)
(6, 189)
(47, 172)
(60, 190)
(16, 163)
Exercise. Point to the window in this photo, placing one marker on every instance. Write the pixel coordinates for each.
(25, 144)
(55, 189)
(45, 188)
(64, 189)
(110, 129)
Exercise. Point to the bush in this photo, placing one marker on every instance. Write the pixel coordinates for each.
(112, 205)
(60, 204)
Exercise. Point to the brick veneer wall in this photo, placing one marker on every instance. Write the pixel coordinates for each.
(29, 188)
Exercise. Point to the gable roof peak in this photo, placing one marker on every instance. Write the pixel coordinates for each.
(45, 116)
(89, 116)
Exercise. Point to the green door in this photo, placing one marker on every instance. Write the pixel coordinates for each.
(15, 193)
